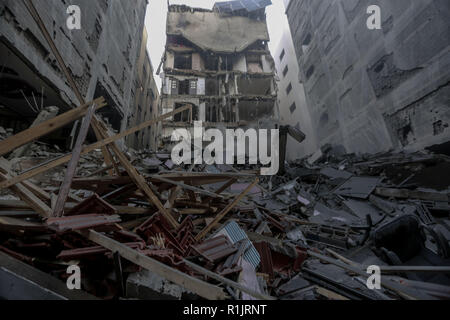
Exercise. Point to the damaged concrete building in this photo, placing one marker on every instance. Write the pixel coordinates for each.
(102, 223)
(218, 62)
(146, 101)
(374, 90)
(292, 101)
(103, 56)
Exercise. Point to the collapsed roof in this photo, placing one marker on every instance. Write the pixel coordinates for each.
(212, 31)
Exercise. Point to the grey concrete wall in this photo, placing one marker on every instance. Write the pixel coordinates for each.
(372, 90)
(300, 116)
(101, 56)
(146, 99)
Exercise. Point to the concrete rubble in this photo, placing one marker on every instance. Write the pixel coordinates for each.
(308, 234)
(138, 226)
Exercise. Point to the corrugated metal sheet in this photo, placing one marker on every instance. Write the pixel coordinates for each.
(236, 234)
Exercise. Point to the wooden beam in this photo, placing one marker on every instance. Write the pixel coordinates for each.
(226, 186)
(26, 195)
(46, 127)
(199, 287)
(145, 188)
(193, 211)
(72, 167)
(227, 209)
(228, 282)
(64, 159)
(5, 168)
(99, 131)
(187, 187)
(122, 210)
(330, 294)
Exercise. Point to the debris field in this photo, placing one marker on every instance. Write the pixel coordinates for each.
(222, 232)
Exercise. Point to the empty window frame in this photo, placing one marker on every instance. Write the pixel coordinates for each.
(285, 71)
(289, 88)
(184, 87)
(227, 63)
(212, 87)
(254, 63)
(283, 53)
(211, 113)
(212, 63)
(193, 87)
(184, 116)
(183, 61)
(293, 107)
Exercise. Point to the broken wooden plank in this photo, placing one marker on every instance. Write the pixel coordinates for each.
(123, 210)
(26, 195)
(5, 167)
(46, 127)
(145, 188)
(227, 209)
(187, 187)
(228, 282)
(226, 186)
(45, 115)
(64, 159)
(13, 224)
(193, 211)
(199, 287)
(72, 167)
(330, 294)
(96, 123)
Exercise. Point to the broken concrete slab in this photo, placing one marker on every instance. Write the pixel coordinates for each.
(146, 285)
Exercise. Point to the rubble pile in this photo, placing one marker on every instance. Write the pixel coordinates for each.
(5, 133)
(311, 233)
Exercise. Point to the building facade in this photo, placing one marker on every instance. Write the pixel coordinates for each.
(101, 56)
(219, 63)
(146, 101)
(374, 90)
(292, 101)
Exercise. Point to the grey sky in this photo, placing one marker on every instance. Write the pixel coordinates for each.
(155, 22)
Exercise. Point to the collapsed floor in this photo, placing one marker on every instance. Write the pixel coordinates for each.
(308, 234)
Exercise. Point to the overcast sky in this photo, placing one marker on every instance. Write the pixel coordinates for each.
(155, 22)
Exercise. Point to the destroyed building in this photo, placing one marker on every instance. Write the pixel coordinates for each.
(218, 62)
(101, 57)
(139, 226)
(146, 101)
(373, 90)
